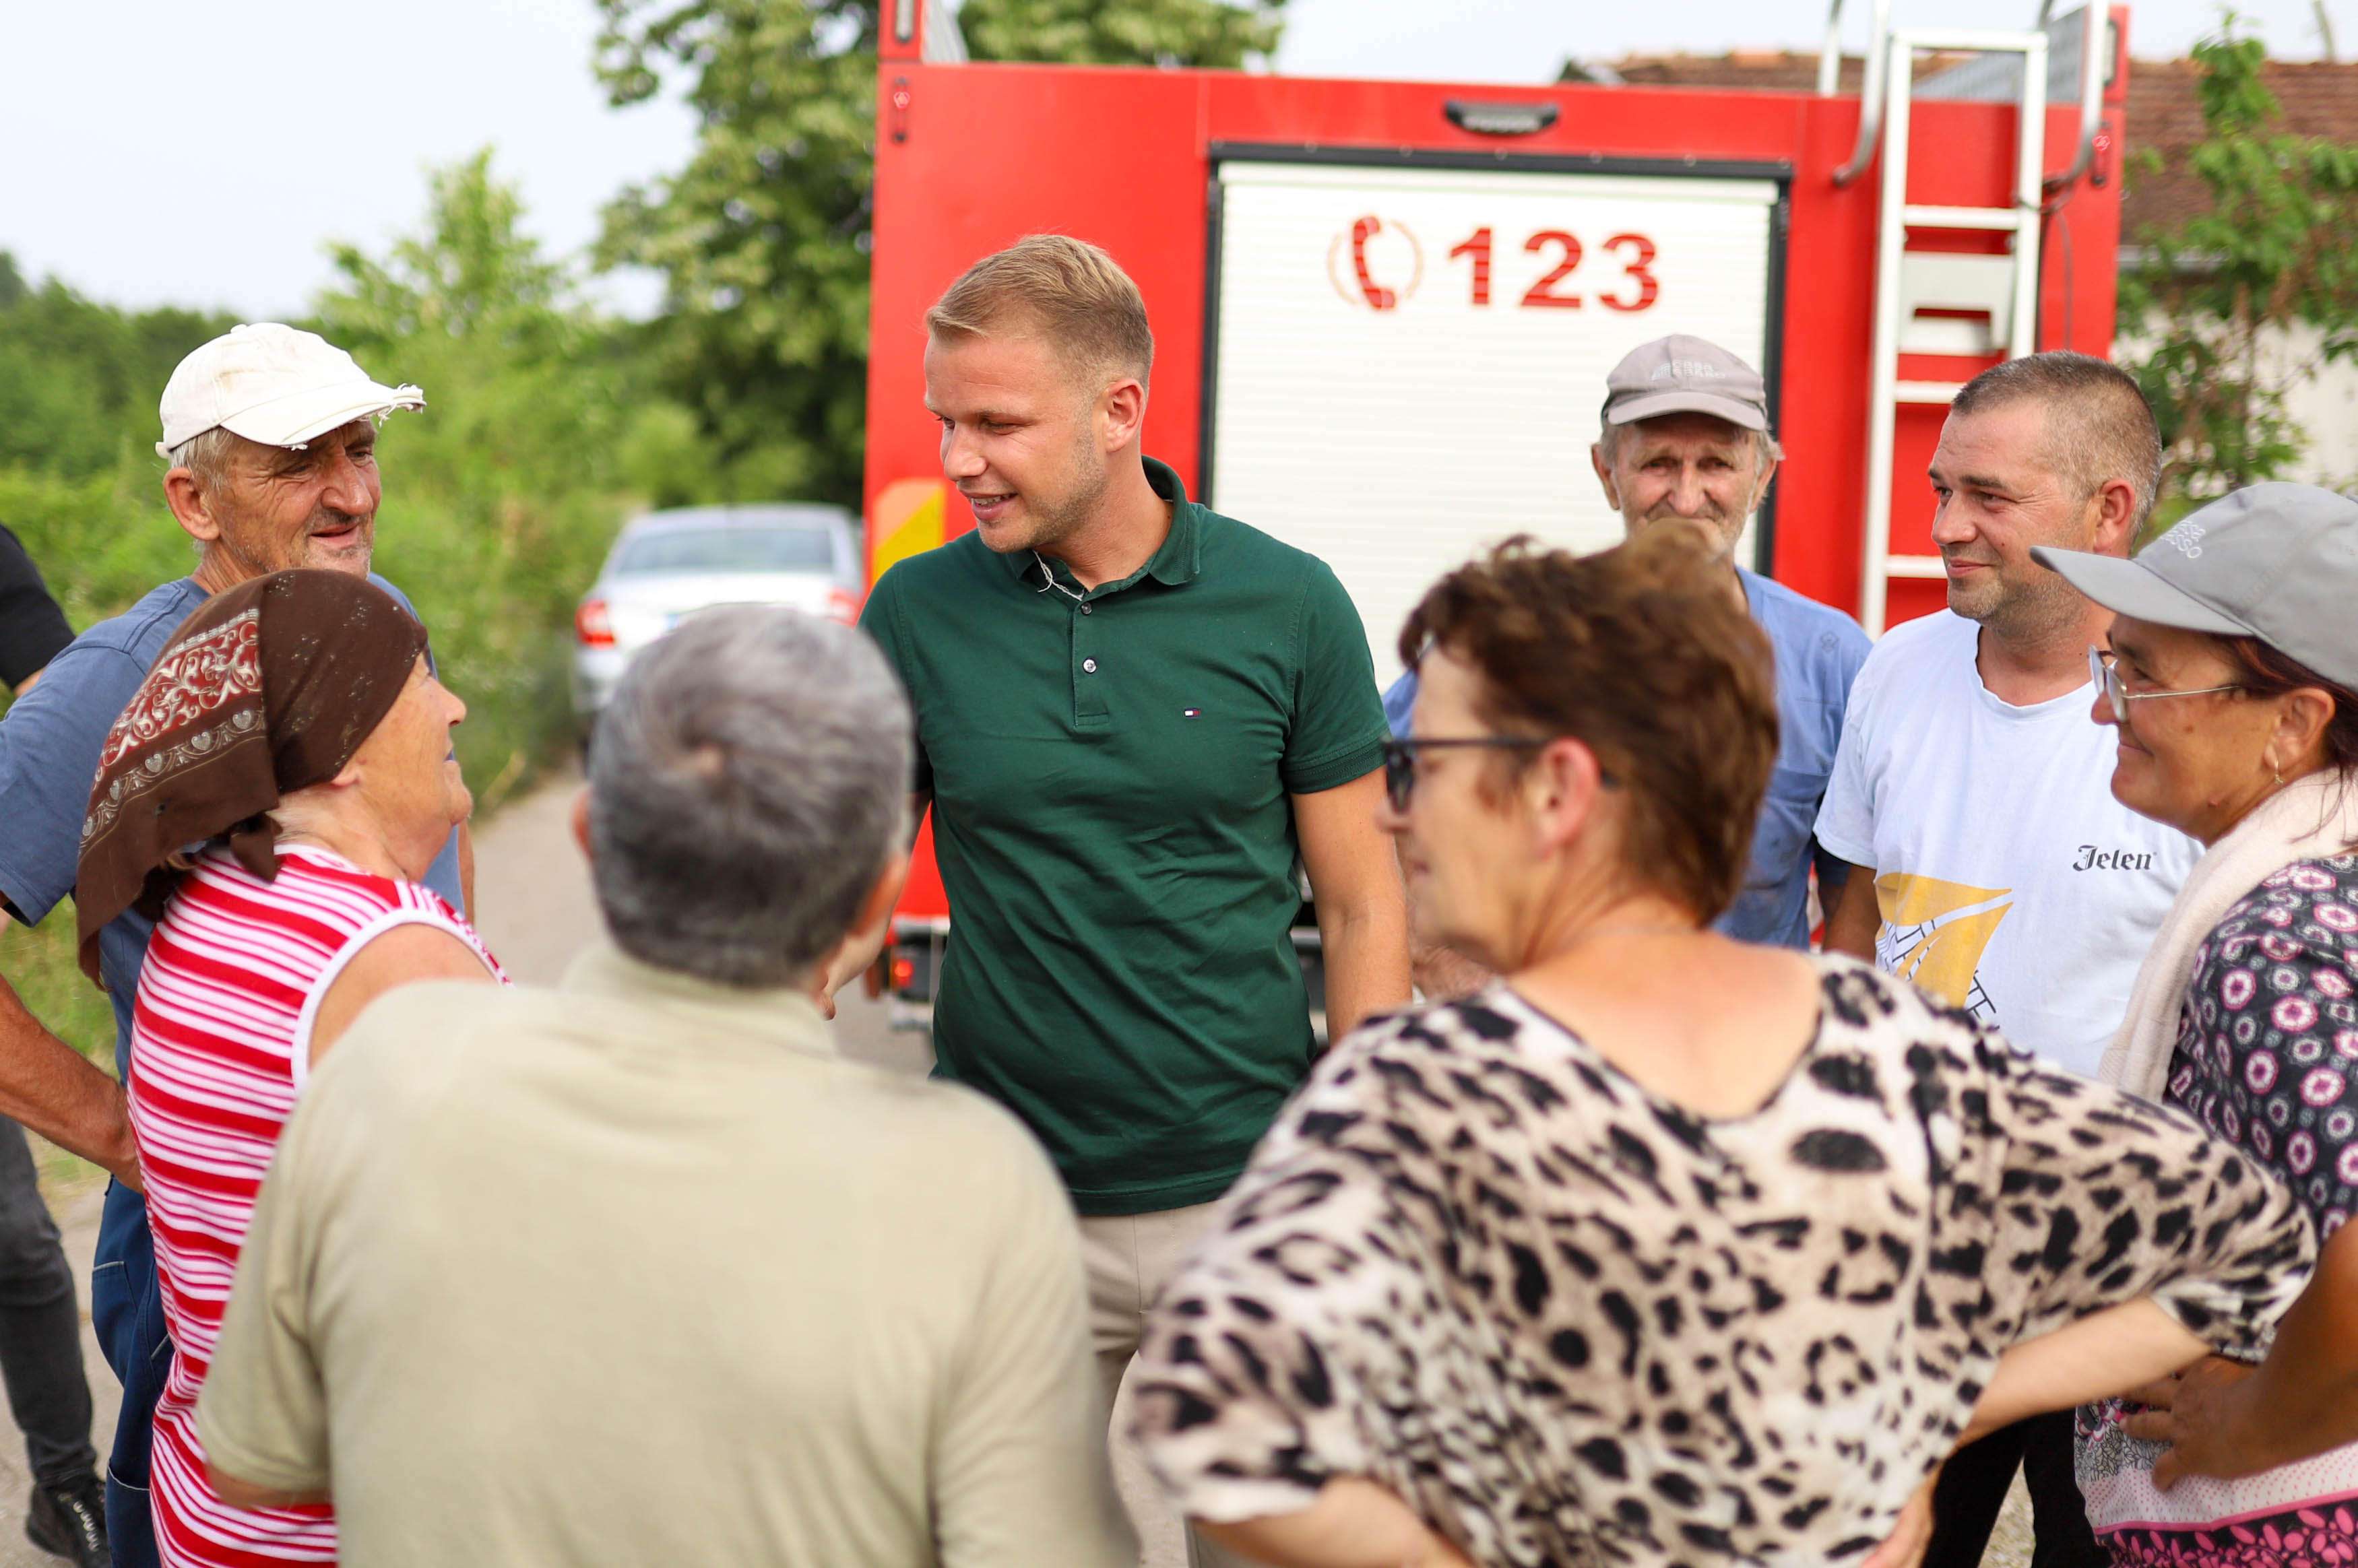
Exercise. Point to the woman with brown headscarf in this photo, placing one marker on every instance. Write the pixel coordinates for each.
(274, 793)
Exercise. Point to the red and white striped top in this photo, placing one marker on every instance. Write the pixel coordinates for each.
(221, 1045)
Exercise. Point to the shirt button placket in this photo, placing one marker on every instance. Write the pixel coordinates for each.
(1088, 692)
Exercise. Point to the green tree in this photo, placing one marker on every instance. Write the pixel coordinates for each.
(1093, 32)
(542, 426)
(763, 239)
(79, 380)
(535, 395)
(2277, 250)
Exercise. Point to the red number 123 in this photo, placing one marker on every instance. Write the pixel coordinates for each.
(1637, 267)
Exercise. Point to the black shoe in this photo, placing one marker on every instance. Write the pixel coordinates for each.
(70, 1520)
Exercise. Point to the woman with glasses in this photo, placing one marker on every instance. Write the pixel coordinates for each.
(2232, 678)
(1663, 1247)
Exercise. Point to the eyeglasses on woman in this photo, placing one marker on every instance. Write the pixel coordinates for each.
(2103, 668)
(1400, 760)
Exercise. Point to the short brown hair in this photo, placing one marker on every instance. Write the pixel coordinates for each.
(1642, 654)
(1071, 292)
(2099, 425)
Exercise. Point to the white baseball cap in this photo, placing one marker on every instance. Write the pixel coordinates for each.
(272, 384)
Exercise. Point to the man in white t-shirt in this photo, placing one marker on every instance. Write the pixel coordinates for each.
(1972, 795)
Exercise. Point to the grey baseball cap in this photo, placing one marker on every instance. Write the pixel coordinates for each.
(1680, 375)
(2278, 562)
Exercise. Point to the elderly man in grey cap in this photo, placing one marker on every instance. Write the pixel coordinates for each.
(1685, 434)
(271, 437)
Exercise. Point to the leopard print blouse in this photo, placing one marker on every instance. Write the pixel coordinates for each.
(1572, 1322)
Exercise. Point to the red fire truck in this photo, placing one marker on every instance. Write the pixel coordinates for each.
(1384, 312)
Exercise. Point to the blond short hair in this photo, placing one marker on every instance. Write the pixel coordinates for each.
(1069, 291)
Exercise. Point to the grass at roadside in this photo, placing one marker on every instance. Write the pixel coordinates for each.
(39, 962)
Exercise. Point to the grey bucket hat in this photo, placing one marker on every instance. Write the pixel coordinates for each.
(2278, 562)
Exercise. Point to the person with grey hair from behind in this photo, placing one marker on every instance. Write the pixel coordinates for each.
(639, 1270)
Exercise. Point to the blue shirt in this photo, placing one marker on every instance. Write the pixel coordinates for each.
(50, 744)
(1819, 652)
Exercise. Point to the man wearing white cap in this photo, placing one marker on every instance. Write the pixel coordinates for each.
(271, 436)
(1684, 433)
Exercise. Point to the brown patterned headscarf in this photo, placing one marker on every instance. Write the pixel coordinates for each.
(267, 688)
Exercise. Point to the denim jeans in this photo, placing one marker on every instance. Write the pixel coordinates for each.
(126, 1307)
(41, 1330)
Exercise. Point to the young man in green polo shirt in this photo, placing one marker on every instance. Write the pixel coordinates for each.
(1132, 713)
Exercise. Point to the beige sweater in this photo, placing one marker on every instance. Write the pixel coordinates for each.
(640, 1272)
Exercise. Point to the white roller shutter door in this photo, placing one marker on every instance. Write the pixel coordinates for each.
(1391, 406)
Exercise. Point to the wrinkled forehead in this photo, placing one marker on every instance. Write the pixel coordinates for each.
(358, 435)
(2154, 646)
(1685, 435)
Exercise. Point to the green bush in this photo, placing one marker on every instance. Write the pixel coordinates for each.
(79, 380)
(542, 431)
(2214, 296)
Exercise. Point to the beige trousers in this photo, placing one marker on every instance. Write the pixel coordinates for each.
(1129, 1256)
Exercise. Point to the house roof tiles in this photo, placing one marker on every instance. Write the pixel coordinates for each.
(2165, 112)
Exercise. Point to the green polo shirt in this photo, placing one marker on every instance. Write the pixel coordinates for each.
(1110, 771)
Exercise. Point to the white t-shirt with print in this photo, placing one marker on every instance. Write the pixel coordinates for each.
(2011, 882)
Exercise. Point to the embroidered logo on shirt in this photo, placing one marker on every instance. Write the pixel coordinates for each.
(1190, 712)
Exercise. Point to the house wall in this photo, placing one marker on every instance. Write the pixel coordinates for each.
(2324, 403)
(2327, 410)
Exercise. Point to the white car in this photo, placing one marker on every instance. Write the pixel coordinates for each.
(666, 566)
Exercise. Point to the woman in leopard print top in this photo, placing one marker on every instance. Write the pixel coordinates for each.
(1664, 1249)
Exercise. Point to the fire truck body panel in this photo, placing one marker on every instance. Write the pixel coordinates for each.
(1327, 366)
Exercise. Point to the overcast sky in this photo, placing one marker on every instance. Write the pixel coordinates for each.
(152, 151)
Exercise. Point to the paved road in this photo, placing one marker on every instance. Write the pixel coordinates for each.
(532, 885)
(75, 1200)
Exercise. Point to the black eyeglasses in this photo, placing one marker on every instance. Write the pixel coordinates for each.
(1400, 760)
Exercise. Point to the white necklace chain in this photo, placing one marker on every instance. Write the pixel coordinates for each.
(1048, 574)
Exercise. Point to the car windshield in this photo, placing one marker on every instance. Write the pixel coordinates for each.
(737, 549)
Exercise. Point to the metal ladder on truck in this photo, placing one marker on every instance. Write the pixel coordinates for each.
(1947, 302)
